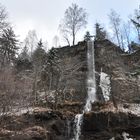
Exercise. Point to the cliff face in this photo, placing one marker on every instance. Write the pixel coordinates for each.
(47, 124)
(73, 65)
(104, 122)
(107, 125)
(122, 68)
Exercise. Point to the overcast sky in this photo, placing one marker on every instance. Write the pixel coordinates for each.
(45, 15)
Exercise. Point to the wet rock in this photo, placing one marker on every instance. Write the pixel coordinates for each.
(46, 114)
(110, 124)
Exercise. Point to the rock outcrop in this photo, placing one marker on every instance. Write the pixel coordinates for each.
(106, 125)
(39, 124)
(123, 69)
(104, 122)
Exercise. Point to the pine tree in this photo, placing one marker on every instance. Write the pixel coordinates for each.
(39, 56)
(24, 54)
(8, 46)
(100, 33)
(23, 61)
(87, 36)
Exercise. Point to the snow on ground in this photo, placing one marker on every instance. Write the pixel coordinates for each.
(18, 111)
(126, 135)
(126, 108)
(131, 108)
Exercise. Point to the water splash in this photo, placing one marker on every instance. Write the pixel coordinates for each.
(91, 84)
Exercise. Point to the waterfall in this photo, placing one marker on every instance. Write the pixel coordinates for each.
(91, 85)
(78, 121)
(91, 80)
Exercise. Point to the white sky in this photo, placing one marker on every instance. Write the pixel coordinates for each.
(45, 15)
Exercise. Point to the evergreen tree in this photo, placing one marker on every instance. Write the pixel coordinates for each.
(8, 46)
(39, 56)
(24, 54)
(51, 68)
(23, 61)
(100, 33)
(3, 18)
(87, 36)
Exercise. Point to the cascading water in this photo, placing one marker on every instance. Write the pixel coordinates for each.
(78, 121)
(91, 80)
(91, 85)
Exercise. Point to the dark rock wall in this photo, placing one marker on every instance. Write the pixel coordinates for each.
(119, 65)
(105, 125)
(108, 57)
(72, 61)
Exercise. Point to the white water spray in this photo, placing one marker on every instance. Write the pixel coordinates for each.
(78, 121)
(91, 84)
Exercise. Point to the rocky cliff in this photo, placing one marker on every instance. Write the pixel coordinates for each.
(106, 121)
(123, 69)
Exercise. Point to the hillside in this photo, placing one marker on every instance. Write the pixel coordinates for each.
(113, 115)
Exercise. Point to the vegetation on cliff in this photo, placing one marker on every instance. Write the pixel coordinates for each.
(41, 90)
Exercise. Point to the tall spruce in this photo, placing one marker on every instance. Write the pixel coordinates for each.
(8, 46)
(100, 32)
(39, 56)
(87, 36)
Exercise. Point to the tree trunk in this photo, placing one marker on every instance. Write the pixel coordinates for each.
(73, 34)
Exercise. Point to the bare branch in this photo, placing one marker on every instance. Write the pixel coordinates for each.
(74, 19)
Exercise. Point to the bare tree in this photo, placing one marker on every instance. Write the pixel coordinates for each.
(74, 19)
(3, 18)
(56, 41)
(115, 22)
(31, 40)
(46, 45)
(65, 34)
(39, 59)
(136, 21)
(127, 34)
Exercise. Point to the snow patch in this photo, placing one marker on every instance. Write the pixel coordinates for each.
(18, 112)
(112, 138)
(126, 135)
(132, 108)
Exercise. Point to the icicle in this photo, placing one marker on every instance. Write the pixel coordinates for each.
(105, 85)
